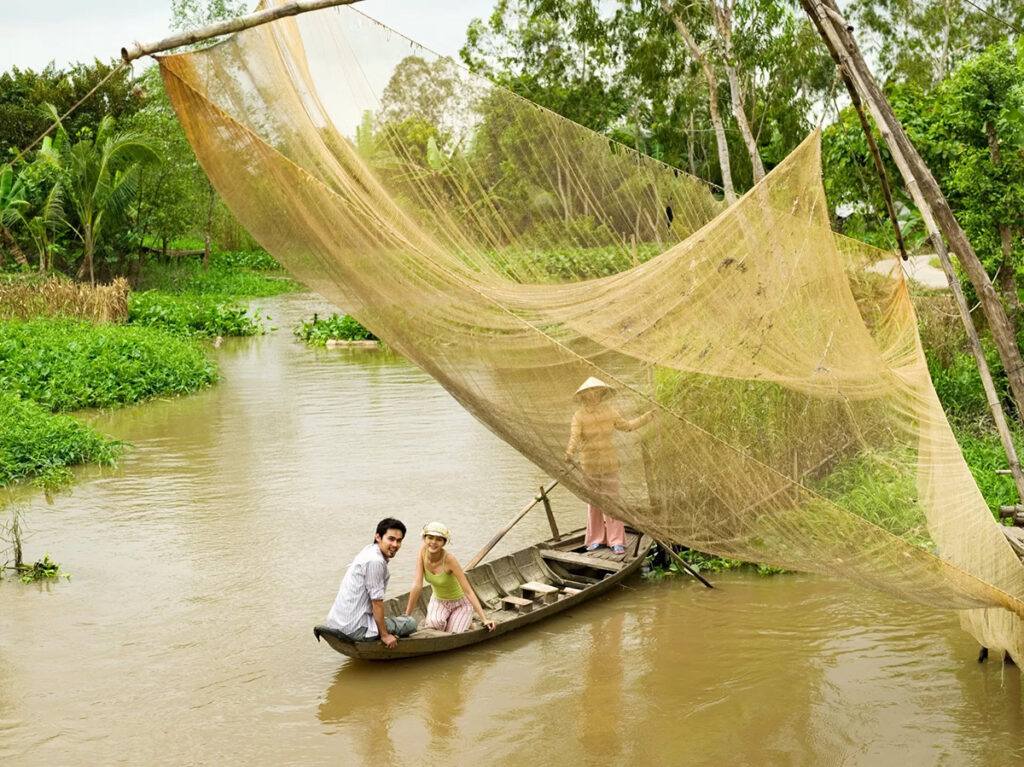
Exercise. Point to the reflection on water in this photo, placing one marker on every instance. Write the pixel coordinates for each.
(201, 563)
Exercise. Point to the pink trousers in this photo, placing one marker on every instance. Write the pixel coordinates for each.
(602, 528)
(451, 615)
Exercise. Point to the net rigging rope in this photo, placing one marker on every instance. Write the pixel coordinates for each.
(493, 243)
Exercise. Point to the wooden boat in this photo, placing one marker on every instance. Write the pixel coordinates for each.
(515, 590)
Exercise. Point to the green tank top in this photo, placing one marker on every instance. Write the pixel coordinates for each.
(444, 584)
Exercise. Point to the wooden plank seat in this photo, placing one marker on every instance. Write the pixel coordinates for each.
(582, 560)
(542, 591)
(516, 603)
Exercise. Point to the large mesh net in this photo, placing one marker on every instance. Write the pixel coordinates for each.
(513, 254)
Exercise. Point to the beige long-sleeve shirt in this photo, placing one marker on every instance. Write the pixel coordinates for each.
(592, 430)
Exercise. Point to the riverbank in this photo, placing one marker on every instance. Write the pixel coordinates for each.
(56, 364)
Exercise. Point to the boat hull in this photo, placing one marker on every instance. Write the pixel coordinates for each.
(561, 564)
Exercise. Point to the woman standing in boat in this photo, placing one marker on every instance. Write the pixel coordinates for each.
(453, 600)
(593, 427)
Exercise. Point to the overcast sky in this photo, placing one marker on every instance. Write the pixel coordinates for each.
(35, 32)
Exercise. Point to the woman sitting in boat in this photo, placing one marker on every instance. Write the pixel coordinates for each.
(593, 426)
(453, 600)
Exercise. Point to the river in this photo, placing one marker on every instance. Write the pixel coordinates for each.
(201, 563)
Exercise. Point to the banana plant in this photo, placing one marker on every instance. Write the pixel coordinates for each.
(12, 213)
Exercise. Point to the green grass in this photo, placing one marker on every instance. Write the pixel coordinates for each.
(68, 364)
(37, 445)
(185, 298)
(191, 314)
(221, 280)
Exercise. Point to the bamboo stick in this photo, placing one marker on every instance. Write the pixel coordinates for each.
(138, 50)
(682, 563)
(925, 191)
(883, 178)
(494, 541)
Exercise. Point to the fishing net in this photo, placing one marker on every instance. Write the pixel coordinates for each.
(512, 254)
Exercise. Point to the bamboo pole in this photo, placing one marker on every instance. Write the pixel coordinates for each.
(138, 50)
(682, 563)
(494, 541)
(883, 178)
(934, 211)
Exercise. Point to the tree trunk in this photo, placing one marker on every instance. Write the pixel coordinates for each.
(12, 245)
(691, 137)
(712, 81)
(1007, 269)
(737, 96)
(89, 255)
(1008, 279)
(935, 212)
(209, 228)
(723, 23)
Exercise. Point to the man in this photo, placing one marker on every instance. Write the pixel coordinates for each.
(358, 610)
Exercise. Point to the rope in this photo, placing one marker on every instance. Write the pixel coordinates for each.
(1008, 25)
(64, 116)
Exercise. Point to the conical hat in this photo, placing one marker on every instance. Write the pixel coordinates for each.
(593, 383)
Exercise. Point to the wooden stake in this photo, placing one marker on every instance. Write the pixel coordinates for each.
(138, 50)
(551, 516)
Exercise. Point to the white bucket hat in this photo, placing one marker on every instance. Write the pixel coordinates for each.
(438, 529)
(593, 383)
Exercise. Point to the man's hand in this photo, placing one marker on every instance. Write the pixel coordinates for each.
(390, 641)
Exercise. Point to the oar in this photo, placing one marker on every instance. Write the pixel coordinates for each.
(494, 541)
(679, 560)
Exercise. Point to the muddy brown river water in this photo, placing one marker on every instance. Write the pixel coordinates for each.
(200, 564)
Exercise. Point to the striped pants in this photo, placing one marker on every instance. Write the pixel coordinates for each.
(451, 615)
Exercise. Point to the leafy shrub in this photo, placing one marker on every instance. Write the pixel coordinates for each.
(70, 364)
(984, 453)
(958, 385)
(259, 260)
(38, 444)
(317, 332)
(198, 314)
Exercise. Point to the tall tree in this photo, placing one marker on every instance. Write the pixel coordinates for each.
(557, 53)
(191, 14)
(680, 17)
(24, 95)
(172, 194)
(922, 41)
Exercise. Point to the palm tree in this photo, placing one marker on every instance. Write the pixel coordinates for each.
(101, 180)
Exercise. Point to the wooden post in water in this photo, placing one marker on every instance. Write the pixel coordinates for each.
(551, 516)
(137, 50)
